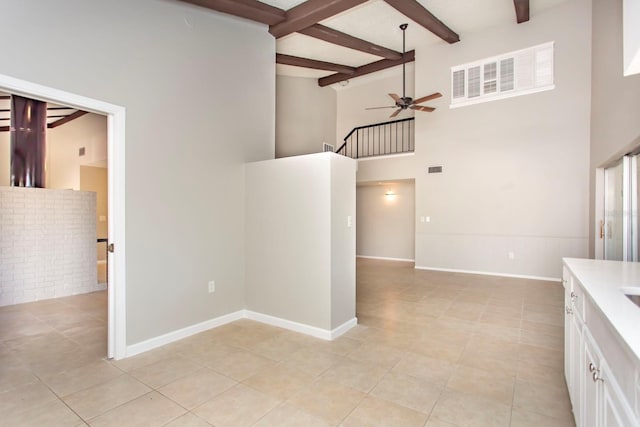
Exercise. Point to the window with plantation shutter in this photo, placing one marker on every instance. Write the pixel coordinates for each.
(458, 84)
(511, 74)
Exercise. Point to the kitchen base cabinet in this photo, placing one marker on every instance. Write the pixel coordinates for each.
(596, 396)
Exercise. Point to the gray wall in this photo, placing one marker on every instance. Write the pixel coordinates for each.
(343, 240)
(299, 247)
(386, 228)
(305, 116)
(516, 170)
(615, 100)
(185, 75)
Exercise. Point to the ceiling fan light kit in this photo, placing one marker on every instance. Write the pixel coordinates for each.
(405, 102)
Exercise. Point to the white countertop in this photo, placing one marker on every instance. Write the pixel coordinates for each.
(602, 281)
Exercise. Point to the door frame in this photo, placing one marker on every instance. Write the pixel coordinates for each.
(116, 319)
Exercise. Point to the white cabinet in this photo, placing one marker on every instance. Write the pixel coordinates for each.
(596, 398)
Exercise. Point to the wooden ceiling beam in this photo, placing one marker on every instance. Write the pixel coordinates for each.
(248, 9)
(341, 39)
(383, 64)
(416, 12)
(522, 10)
(309, 13)
(4, 129)
(312, 63)
(66, 119)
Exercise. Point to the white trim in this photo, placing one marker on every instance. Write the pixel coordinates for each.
(503, 95)
(116, 147)
(301, 327)
(385, 258)
(489, 273)
(385, 156)
(170, 337)
(173, 336)
(344, 328)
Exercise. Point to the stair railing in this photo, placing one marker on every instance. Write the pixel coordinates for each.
(379, 139)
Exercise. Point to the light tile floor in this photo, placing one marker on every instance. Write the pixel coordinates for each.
(432, 349)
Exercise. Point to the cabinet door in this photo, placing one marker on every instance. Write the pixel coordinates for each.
(616, 411)
(591, 388)
(568, 356)
(577, 363)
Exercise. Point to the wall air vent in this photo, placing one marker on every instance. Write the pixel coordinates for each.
(434, 169)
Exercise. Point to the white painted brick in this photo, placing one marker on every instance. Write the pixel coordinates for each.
(47, 244)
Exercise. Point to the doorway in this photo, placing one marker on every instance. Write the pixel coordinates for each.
(116, 346)
(385, 220)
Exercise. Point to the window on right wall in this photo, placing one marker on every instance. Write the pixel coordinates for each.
(512, 74)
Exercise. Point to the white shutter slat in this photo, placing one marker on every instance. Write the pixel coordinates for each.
(473, 88)
(511, 74)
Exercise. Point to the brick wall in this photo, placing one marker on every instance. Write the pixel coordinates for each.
(47, 244)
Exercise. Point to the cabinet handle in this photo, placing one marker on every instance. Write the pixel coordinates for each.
(568, 310)
(573, 296)
(595, 376)
(592, 367)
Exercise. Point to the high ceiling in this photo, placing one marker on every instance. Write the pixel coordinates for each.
(374, 21)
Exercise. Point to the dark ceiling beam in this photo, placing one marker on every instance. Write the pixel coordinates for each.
(310, 12)
(312, 63)
(4, 128)
(66, 119)
(248, 9)
(5, 96)
(383, 64)
(522, 10)
(416, 12)
(341, 39)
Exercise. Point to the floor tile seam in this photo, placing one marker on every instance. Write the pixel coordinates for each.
(89, 419)
(55, 397)
(545, 414)
(567, 418)
(64, 396)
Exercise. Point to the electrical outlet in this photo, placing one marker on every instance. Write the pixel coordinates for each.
(212, 286)
(511, 255)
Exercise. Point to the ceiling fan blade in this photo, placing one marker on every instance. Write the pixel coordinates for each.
(395, 97)
(378, 108)
(422, 108)
(395, 113)
(427, 98)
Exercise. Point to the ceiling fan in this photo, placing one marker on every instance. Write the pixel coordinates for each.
(404, 102)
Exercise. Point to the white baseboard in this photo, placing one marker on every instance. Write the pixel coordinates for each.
(342, 329)
(170, 337)
(301, 327)
(487, 273)
(385, 258)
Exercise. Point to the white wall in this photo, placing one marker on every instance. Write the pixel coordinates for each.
(48, 240)
(299, 251)
(615, 100)
(63, 143)
(184, 75)
(343, 240)
(515, 170)
(386, 227)
(305, 116)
